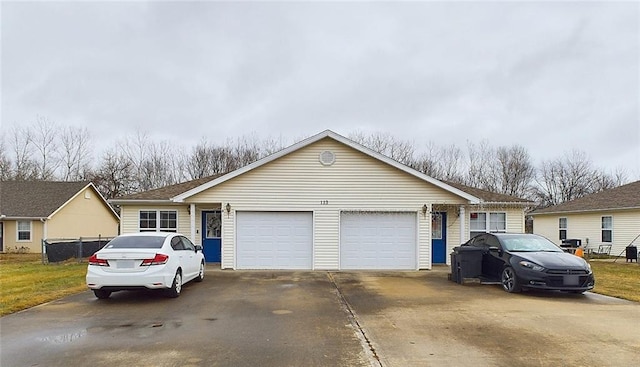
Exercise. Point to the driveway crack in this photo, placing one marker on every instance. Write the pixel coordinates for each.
(364, 339)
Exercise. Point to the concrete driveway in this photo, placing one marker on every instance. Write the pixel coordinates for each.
(262, 318)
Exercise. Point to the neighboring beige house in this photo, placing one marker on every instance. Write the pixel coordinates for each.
(31, 211)
(605, 222)
(324, 203)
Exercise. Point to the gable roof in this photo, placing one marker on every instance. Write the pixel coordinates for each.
(619, 198)
(39, 199)
(325, 134)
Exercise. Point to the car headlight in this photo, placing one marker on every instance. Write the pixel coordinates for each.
(531, 266)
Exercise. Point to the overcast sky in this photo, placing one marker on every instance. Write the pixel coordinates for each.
(550, 76)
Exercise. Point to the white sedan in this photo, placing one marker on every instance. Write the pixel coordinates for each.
(148, 260)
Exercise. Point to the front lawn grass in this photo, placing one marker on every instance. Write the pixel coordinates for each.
(25, 282)
(620, 279)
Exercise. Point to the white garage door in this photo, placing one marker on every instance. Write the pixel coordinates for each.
(378, 241)
(274, 240)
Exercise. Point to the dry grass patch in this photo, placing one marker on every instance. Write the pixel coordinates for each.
(25, 282)
(620, 279)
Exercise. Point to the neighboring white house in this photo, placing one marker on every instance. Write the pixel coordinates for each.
(324, 203)
(605, 222)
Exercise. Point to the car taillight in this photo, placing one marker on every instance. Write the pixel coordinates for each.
(159, 259)
(93, 260)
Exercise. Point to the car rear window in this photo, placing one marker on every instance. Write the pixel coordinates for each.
(136, 242)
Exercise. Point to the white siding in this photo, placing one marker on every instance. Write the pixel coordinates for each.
(129, 217)
(298, 182)
(587, 227)
(514, 217)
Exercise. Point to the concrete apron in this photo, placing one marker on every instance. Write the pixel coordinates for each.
(280, 318)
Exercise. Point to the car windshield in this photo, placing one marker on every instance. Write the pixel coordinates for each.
(529, 244)
(136, 242)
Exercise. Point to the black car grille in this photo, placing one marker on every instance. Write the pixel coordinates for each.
(568, 272)
(558, 281)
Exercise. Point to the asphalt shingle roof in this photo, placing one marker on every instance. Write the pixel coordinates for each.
(167, 192)
(487, 196)
(35, 199)
(621, 197)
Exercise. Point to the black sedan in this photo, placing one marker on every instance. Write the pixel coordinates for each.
(520, 261)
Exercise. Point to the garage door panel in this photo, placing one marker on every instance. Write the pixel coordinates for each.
(378, 241)
(274, 240)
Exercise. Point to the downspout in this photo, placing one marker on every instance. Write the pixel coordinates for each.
(192, 217)
(44, 237)
(462, 216)
(44, 228)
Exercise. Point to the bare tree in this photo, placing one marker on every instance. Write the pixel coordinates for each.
(399, 150)
(246, 151)
(115, 176)
(157, 168)
(571, 177)
(44, 140)
(75, 153)
(208, 159)
(148, 161)
(516, 171)
(198, 164)
(271, 145)
(24, 167)
(443, 163)
(481, 166)
(5, 162)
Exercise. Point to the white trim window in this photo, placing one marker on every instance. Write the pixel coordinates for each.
(23, 231)
(487, 223)
(607, 229)
(562, 228)
(158, 221)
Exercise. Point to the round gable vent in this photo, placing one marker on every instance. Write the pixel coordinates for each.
(327, 158)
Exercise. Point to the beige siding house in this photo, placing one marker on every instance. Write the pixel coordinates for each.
(31, 211)
(325, 203)
(604, 222)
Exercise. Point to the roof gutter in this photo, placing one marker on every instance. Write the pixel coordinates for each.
(516, 203)
(10, 217)
(144, 201)
(586, 211)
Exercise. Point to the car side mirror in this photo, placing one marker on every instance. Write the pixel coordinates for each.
(198, 248)
(496, 249)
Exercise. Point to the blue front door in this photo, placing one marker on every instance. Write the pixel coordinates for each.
(439, 237)
(211, 233)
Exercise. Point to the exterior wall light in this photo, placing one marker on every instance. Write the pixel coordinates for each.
(424, 210)
(227, 208)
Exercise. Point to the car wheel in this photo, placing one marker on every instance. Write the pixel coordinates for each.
(201, 273)
(176, 286)
(510, 281)
(101, 293)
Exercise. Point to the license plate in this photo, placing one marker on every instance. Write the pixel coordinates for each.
(125, 264)
(571, 280)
